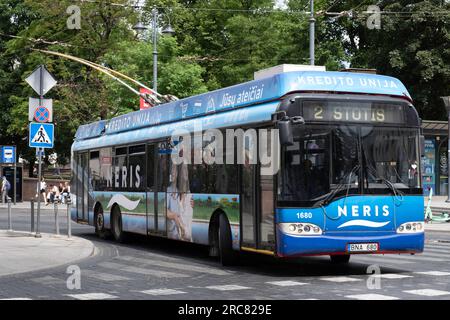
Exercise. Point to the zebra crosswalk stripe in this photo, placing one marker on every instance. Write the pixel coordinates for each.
(428, 292)
(340, 279)
(433, 273)
(287, 283)
(228, 287)
(92, 296)
(371, 296)
(162, 292)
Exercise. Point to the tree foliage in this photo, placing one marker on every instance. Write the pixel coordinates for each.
(217, 43)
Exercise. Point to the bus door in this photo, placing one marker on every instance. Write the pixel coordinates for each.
(257, 207)
(152, 218)
(157, 177)
(82, 186)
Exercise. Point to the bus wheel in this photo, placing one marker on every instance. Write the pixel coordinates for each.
(116, 225)
(344, 258)
(228, 256)
(99, 221)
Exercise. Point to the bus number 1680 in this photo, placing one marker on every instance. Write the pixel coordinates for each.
(304, 215)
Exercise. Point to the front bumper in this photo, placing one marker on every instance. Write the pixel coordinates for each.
(330, 244)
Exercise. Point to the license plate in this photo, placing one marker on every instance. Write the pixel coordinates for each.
(362, 247)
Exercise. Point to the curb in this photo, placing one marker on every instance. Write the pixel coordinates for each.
(84, 249)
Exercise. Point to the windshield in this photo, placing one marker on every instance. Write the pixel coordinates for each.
(390, 154)
(329, 161)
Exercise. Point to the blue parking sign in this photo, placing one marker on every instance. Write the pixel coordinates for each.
(41, 135)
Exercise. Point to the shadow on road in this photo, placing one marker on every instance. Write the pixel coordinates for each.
(249, 262)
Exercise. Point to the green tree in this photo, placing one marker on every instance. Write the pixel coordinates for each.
(413, 44)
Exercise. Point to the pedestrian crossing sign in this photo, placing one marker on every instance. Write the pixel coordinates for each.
(41, 135)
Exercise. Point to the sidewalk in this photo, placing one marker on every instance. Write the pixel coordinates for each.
(21, 252)
(27, 205)
(438, 206)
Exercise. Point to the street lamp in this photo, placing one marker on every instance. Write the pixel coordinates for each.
(447, 107)
(168, 30)
(311, 33)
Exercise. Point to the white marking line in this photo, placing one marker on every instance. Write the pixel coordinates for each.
(340, 279)
(434, 273)
(371, 296)
(228, 287)
(434, 254)
(146, 271)
(391, 276)
(436, 251)
(287, 283)
(414, 258)
(92, 296)
(428, 292)
(180, 266)
(438, 243)
(11, 299)
(162, 292)
(379, 260)
(104, 276)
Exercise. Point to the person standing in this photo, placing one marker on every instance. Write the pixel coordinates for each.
(5, 186)
(42, 189)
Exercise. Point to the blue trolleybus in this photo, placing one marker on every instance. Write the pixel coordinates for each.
(347, 180)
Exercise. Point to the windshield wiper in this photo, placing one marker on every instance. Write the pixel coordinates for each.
(341, 186)
(374, 173)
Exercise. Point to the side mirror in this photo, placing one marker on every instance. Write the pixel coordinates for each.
(285, 128)
(422, 145)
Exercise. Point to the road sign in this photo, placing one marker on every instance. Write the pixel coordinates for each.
(40, 110)
(7, 154)
(41, 135)
(42, 114)
(41, 80)
(40, 152)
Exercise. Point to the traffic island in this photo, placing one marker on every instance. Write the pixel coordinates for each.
(22, 252)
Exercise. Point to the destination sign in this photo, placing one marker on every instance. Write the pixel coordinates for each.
(353, 112)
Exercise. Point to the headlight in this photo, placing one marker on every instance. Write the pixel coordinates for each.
(411, 227)
(300, 229)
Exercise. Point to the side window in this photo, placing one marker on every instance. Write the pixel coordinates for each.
(163, 158)
(196, 177)
(136, 168)
(106, 171)
(226, 174)
(94, 174)
(120, 170)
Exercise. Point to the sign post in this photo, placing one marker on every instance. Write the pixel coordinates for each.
(42, 137)
(8, 155)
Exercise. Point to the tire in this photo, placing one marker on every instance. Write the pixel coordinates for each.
(228, 257)
(99, 223)
(116, 225)
(340, 259)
